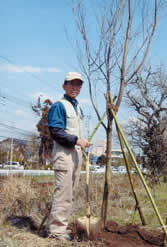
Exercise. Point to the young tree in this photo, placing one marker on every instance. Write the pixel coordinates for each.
(148, 97)
(111, 53)
(46, 143)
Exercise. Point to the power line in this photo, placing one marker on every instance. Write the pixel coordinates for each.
(14, 99)
(2, 100)
(21, 131)
(30, 73)
(17, 130)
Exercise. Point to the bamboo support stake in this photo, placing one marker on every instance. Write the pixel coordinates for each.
(141, 175)
(131, 180)
(88, 196)
(97, 126)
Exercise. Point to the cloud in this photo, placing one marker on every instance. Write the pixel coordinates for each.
(30, 69)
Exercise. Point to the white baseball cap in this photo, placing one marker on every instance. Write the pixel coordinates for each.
(73, 76)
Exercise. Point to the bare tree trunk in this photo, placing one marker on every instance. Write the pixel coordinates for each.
(107, 184)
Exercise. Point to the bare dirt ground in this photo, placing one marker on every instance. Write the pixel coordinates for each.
(129, 236)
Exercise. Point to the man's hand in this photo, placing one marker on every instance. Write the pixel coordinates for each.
(83, 143)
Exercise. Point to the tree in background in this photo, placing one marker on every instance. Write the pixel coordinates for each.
(101, 161)
(111, 54)
(46, 142)
(148, 97)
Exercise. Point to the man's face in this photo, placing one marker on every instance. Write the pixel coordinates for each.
(72, 88)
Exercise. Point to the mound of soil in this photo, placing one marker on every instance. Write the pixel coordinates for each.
(125, 236)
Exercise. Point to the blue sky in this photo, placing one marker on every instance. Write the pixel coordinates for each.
(35, 56)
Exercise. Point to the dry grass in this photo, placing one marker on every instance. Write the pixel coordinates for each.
(19, 197)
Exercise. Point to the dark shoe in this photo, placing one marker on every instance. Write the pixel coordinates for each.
(62, 237)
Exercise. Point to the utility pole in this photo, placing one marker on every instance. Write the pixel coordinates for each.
(11, 152)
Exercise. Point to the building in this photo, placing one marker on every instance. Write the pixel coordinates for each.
(100, 148)
(116, 156)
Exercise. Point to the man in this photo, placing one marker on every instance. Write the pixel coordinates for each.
(65, 125)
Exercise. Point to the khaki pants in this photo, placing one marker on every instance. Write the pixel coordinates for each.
(67, 167)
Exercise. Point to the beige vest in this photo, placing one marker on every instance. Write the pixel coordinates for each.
(74, 120)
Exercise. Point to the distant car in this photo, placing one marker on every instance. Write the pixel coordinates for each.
(114, 169)
(133, 170)
(101, 169)
(145, 171)
(122, 169)
(12, 165)
(94, 168)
